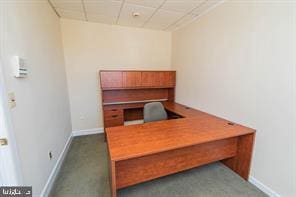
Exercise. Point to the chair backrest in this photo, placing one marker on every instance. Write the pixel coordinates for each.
(154, 112)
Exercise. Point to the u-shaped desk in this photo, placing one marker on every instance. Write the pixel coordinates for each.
(139, 153)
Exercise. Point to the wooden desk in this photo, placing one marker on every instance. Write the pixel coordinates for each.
(139, 153)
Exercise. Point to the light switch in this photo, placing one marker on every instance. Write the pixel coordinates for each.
(11, 100)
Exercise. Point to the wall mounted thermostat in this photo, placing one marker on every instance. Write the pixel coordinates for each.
(20, 69)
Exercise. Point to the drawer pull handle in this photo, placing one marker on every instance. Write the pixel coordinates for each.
(114, 116)
(114, 110)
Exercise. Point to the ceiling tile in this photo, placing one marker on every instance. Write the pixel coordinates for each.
(181, 5)
(102, 7)
(71, 14)
(163, 18)
(73, 5)
(102, 19)
(127, 18)
(158, 26)
(146, 3)
(205, 6)
(182, 22)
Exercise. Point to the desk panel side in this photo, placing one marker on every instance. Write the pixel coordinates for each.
(136, 170)
(241, 163)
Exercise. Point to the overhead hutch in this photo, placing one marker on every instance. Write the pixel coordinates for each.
(124, 93)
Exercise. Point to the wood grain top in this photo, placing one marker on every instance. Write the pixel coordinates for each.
(125, 142)
(183, 110)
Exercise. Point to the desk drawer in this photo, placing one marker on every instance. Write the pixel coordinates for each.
(113, 117)
(113, 111)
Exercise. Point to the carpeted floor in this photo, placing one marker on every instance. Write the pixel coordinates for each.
(85, 174)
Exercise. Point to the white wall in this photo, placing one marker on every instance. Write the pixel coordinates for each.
(41, 119)
(90, 47)
(238, 62)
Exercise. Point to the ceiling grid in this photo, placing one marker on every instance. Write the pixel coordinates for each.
(167, 15)
(84, 11)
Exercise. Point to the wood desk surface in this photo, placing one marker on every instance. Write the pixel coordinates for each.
(125, 142)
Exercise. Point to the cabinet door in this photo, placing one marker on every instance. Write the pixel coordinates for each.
(131, 79)
(111, 79)
(150, 79)
(168, 79)
(158, 79)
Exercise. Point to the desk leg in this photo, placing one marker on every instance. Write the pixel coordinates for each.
(112, 179)
(242, 161)
(105, 135)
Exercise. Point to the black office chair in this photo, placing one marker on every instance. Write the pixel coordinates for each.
(154, 112)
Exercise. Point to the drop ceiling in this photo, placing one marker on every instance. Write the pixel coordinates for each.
(167, 15)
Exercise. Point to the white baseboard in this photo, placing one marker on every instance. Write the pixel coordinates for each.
(88, 132)
(263, 187)
(53, 175)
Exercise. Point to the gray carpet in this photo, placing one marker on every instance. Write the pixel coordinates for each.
(85, 174)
